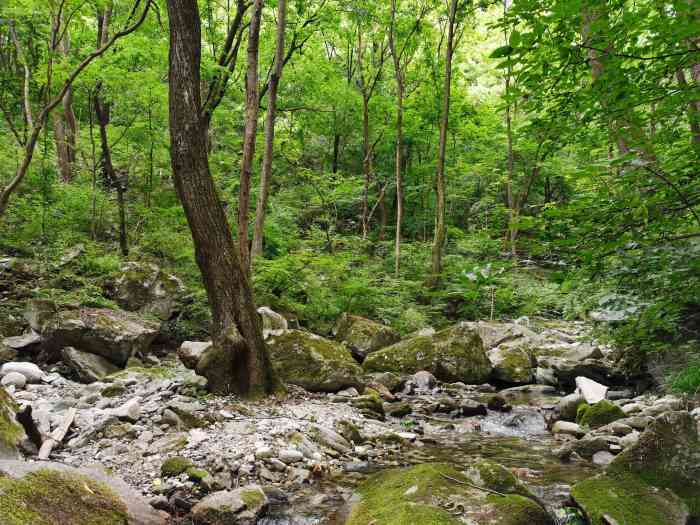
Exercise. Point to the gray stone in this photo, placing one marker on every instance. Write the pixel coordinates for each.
(568, 405)
(424, 380)
(592, 391)
(87, 367)
(242, 506)
(602, 458)
(190, 352)
(14, 379)
(272, 322)
(290, 456)
(363, 336)
(129, 411)
(566, 427)
(329, 438)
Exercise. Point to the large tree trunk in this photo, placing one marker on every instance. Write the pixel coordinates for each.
(366, 167)
(398, 73)
(266, 176)
(439, 235)
(240, 363)
(65, 125)
(250, 133)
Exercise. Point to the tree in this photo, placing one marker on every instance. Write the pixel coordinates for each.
(266, 174)
(38, 123)
(252, 104)
(439, 234)
(239, 361)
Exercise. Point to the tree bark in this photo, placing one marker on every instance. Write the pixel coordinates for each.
(439, 235)
(65, 126)
(250, 134)
(244, 366)
(398, 73)
(266, 176)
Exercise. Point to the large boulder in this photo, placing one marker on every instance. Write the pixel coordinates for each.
(424, 493)
(655, 481)
(113, 334)
(53, 493)
(363, 336)
(599, 414)
(512, 363)
(453, 354)
(145, 288)
(313, 362)
(190, 352)
(11, 432)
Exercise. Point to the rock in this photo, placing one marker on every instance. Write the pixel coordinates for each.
(391, 381)
(191, 351)
(667, 455)
(241, 506)
(30, 371)
(23, 343)
(566, 427)
(174, 466)
(47, 492)
(512, 363)
(630, 439)
(263, 451)
(607, 499)
(453, 354)
(494, 333)
(419, 493)
(7, 354)
(599, 414)
(397, 409)
(424, 380)
(565, 371)
(590, 390)
(272, 322)
(383, 391)
(369, 404)
(11, 432)
(113, 334)
(498, 403)
(312, 362)
(290, 455)
(363, 336)
(14, 379)
(585, 447)
(329, 438)
(87, 367)
(129, 411)
(569, 405)
(602, 458)
(145, 288)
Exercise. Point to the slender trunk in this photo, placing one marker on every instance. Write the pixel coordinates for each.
(693, 110)
(250, 133)
(439, 236)
(512, 205)
(336, 153)
(65, 126)
(365, 164)
(266, 176)
(121, 190)
(243, 365)
(398, 73)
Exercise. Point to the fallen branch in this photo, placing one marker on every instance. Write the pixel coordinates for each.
(455, 480)
(57, 435)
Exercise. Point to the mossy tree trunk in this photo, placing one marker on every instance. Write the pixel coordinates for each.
(236, 326)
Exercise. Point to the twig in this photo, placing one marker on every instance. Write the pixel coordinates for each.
(455, 480)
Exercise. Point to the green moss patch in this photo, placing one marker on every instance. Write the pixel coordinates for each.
(48, 497)
(11, 433)
(627, 499)
(599, 414)
(175, 466)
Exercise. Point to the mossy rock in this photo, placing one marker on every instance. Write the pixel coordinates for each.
(175, 466)
(115, 390)
(512, 363)
(312, 362)
(11, 432)
(627, 499)
(667, 455)
(422, 493)
(453, 354)
(496, 477)
(598, 414)
(48, 493)
(196, 474)
(363, 336)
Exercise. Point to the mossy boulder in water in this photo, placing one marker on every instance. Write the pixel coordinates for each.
(598, 414)
(11, 432)
(429, 494)
(48, 493)
(113, 334)
(363, 336)
(312, 362)
(512, 363)
(453, 354)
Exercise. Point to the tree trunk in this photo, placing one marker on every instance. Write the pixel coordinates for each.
(439, 235)
(365, 164)
(243, 365)
(693, 110)
(266, 176)
(398, 73)
(512, 205)
(336, 153)
(250, 133)
(65, 126)
(121, 185)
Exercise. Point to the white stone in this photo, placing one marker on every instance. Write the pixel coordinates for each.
(629, 440)
(591, 391)
(290, 456)
(29, 370)
(424, 380)
(129, 411)
(14, 379)
(632, 408)
(602, 458)
(567, 427)
(263, 452)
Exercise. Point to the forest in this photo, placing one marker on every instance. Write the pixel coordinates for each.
(352, 263)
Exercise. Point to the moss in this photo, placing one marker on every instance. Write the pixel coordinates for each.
(196, 474)
(627, 499)
(159, 372)
(113, 391)
(10, 431)
(188, 419)
(175, 466)
(599, 414)
(518, 510)
(253, 498)
(48, 497)
(496, 477)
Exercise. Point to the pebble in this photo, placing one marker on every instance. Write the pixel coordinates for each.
(14, 379)
(290, 456)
